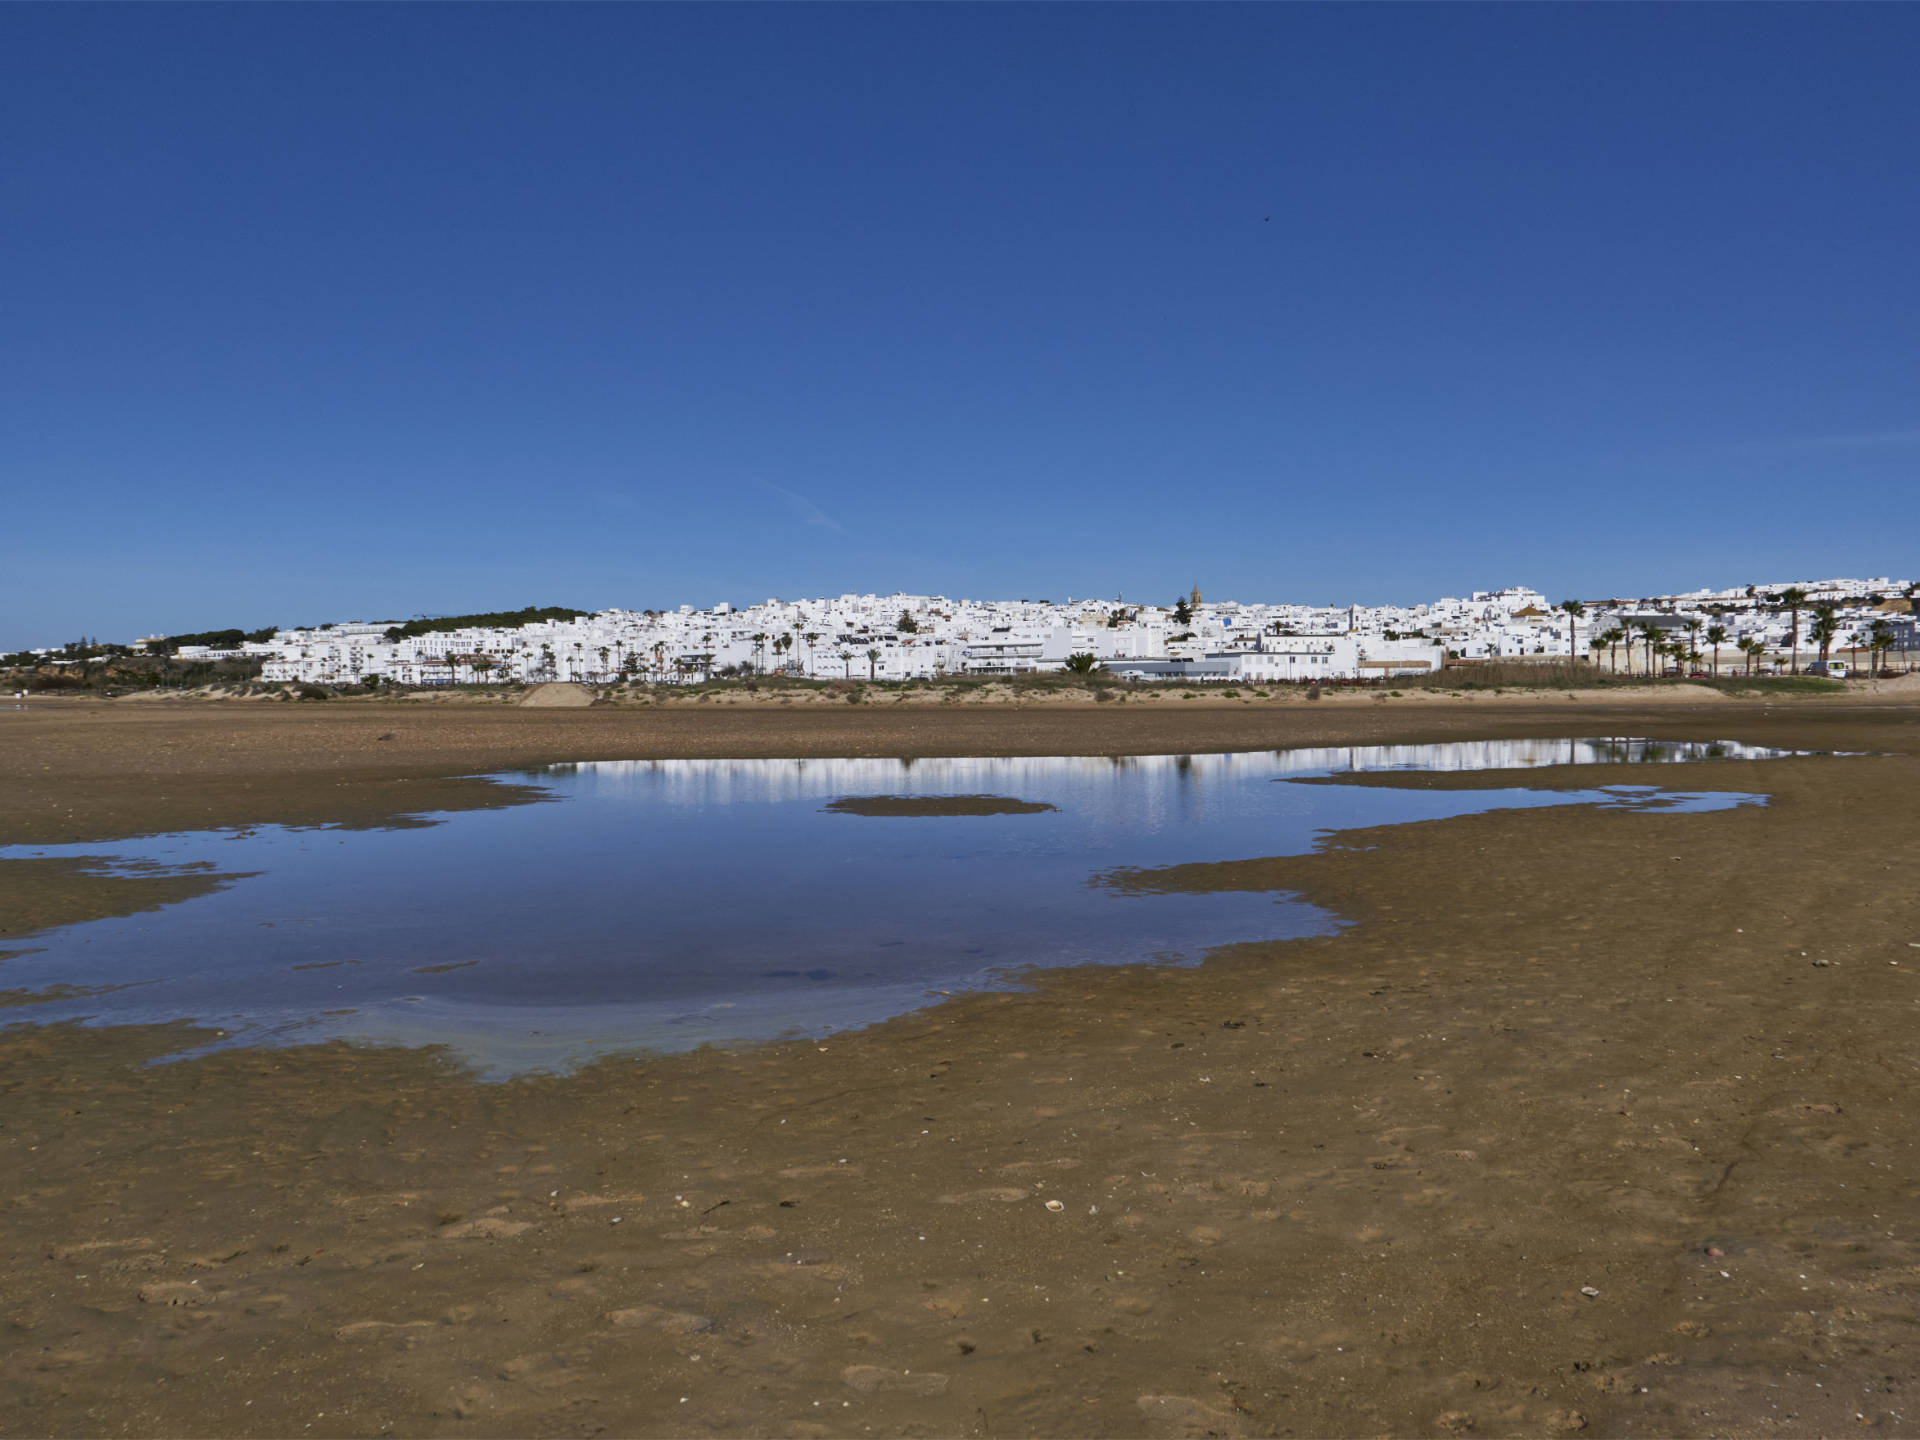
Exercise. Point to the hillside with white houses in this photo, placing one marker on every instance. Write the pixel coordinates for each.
(1826, 625)
(902, 637)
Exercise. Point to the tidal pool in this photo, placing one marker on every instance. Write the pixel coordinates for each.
(661, 905)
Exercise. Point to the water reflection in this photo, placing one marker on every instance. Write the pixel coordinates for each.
(666, 904)
(732, 782)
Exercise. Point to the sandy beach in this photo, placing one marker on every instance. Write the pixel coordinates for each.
(1591, 1120)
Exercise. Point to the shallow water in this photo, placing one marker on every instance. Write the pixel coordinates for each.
(666, 904)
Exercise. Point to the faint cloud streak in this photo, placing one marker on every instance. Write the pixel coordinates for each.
(804, 509)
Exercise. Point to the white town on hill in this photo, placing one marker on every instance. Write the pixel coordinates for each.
(1758, 628)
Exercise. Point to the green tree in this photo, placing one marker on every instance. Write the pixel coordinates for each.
(1650, 636)
(1082, 662)
(1574, 611)
(1182, 612)
(1613, 636)
(873, 661)
(906, 624)
(1716, 637)
(1794, 599)
(1879, 641)
(846, 664)
(1826, 625)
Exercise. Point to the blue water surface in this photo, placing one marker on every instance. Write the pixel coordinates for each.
(661, 905)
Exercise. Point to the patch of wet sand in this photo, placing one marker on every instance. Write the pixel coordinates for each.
(1357, 1184)
(39, 893)
(910, 805)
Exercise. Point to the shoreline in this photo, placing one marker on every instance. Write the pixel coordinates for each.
(81, 771)
(1353, 1184)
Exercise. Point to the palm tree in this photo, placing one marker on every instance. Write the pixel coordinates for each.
(1826, 625)
(1880, 639)
(1574, 611)
(846, 661)
(659, 654)
(873, 659)
(1693, 633)
(812, 637)
(1613, 637)
(1750, 646)
(760, 644)
(1716, 637)
(1082, 662)
(1595, 644)
(1793, 597)
(1650, 636)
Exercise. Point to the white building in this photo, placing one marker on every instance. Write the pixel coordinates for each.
(902, 637)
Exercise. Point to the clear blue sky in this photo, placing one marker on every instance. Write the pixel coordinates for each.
(334, 312)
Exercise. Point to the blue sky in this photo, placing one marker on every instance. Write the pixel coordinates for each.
(316, 313)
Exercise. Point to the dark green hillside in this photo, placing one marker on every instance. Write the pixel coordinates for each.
(492, 619)
(217, 639)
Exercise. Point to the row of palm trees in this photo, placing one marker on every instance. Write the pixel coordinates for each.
(685, 666)
(634, 665)
(1657, 641)
(782, 644)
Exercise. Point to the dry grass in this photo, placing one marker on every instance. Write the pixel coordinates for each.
(1517, 675)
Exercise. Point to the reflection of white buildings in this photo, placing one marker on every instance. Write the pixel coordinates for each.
(725, 782)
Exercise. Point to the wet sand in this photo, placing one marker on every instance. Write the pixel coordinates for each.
(1351, 1185)
(907, 806)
